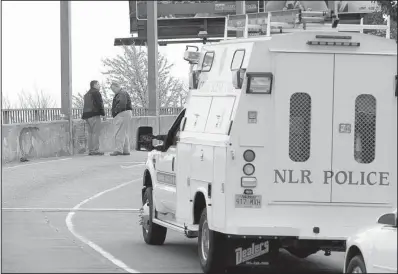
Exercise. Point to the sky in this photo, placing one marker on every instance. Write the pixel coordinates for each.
(31, 45)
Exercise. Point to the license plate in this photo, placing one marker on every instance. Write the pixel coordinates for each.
(247, 201)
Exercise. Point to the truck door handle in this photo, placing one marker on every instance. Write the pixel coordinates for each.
(172, 164)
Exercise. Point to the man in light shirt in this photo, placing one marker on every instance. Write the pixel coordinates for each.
(121, 112)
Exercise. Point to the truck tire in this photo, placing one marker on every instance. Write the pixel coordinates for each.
(153, 234)
(210, 247)
(356, 265)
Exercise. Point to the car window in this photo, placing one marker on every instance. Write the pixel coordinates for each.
(208, 61)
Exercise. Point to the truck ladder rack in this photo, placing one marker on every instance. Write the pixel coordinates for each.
(265, 23)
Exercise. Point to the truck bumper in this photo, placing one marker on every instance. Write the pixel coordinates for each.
(251, 252)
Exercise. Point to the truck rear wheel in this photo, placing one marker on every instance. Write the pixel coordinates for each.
(210, 247)
(356, 265)
(153, 234)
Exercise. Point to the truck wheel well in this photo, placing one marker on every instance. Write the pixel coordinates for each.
(352, 252)
(147, 179)
(199, 205)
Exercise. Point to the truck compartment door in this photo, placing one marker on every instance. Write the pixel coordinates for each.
(197, 113)
(364, 129)
(183, 171)
(302, 145)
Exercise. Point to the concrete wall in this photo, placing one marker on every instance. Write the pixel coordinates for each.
(50, 139)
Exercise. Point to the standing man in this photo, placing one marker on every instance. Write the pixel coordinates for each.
(93, 109)
(121, 112)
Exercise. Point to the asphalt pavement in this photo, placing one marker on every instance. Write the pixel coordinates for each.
(39, 234)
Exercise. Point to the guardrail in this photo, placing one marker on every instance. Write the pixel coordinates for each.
(20, 116)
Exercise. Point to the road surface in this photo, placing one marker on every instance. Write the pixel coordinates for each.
(39, 234)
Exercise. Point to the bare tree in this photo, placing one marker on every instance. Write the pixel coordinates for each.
(376, 18)
(37, 100)
(107, 95)
(5, 102)
(78, 101)
(130, 69)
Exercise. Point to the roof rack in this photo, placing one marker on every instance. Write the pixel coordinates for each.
(265, 23)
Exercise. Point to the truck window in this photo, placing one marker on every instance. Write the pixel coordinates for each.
(365, 129)
(300, 127)
(208, 61)
(237, 59)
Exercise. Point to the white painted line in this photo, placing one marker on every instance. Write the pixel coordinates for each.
(132, 166)
(35, 209)
(38, 163)
(133, 163)
(136, 174)
(97, 248)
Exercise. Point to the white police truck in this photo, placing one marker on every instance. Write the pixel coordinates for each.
(287, 141)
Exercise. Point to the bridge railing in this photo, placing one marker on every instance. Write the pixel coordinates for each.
(20, 116)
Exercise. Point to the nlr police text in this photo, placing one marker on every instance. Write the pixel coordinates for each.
(340, 177)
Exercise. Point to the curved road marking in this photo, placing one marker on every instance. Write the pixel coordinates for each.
(38, 163)
(97, 248)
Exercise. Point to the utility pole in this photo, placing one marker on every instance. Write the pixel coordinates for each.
(152, 46)
(240, 9)
(66, 68)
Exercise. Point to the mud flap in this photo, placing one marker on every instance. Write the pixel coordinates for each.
(251, 252)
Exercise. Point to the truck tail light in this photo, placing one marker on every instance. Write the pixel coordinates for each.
(248, 169)
(248, 182)
(249, 155)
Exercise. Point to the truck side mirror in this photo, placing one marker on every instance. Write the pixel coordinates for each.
(144, 139)
(238, 77)
(388, 219)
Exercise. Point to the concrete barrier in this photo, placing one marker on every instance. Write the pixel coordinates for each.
(51, 139)
(35, 140)
(107, 138)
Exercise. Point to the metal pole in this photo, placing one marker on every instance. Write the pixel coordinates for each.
(240, 9)
(66, 68)
(152, 45)
(336, 8)
(388, 30)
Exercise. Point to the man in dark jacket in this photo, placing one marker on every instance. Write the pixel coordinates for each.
(92, 110)
(121, 112)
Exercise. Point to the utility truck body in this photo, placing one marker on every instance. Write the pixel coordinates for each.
(286, 141)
